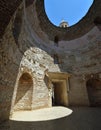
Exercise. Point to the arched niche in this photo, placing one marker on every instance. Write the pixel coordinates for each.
(94, 91)
(24, 92)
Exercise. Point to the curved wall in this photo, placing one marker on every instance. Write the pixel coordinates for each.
(31, 44)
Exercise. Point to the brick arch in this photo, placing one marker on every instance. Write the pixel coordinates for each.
(94, 91)
(23, 99)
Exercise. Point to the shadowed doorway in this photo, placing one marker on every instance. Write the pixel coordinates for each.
(58, 86)
(59, 94)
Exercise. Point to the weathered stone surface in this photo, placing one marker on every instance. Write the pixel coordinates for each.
(27, 46)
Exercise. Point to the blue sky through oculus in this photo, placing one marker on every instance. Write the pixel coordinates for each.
(69, 10)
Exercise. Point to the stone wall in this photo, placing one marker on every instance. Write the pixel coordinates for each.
(78, 92)
(23, 99)
(10, 57)
(26, 48)
(19, 56)
(7, 9)
(94, 90)
(35, 62)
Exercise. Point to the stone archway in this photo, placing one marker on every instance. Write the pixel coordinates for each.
(94, 91)
(24, 93)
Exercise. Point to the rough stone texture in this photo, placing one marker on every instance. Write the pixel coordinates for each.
(35, 61)
(27, 46)
(94, 91)
(77, 92)
(24, 93)
(7, 9)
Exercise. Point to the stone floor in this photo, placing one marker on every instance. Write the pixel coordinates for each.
(4, 125)
(45, 114)
(80, 119)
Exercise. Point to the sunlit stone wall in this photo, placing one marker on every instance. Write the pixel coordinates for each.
(25, 47)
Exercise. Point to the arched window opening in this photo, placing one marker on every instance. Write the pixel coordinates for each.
(56, 59)
(56, 40)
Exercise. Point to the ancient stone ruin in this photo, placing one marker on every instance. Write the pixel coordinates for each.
(42, 65)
